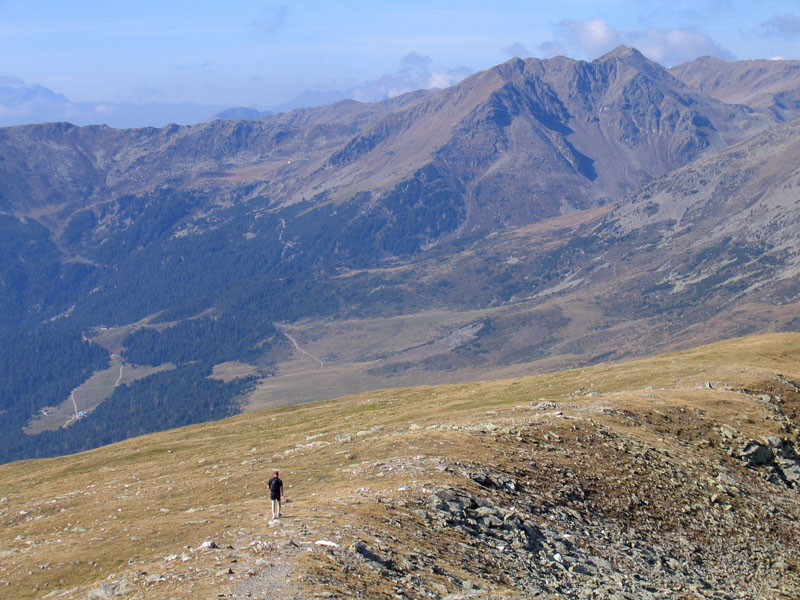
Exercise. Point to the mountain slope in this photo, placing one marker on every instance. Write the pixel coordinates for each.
(184, 255)
(772, 85)
(735, 212)
(707, 252)
(675, 476)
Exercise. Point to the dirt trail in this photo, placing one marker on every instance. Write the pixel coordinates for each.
(75, 406)
(299, 349)
(122, 364)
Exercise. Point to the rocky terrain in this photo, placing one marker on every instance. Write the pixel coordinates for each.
(764, 84)
(670, 477)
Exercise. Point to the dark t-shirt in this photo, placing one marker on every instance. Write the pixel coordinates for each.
(275, 486)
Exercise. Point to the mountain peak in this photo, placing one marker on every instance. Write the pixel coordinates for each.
(628, 56)
(627, 62)
(621, 52)
(511, 66)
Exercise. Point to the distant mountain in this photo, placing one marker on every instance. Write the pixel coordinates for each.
(311, 99)
(498, 224)
(22, 104)
(772, 85)
(241, 113)
(520, 142)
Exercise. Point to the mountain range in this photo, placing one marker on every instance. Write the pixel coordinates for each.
(540, 214)
(22, 103)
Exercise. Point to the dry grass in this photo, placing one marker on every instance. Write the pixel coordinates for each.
(69, 523)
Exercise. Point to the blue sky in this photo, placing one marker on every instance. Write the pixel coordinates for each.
(256, 53)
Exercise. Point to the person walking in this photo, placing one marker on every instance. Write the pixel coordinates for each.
(276, 495)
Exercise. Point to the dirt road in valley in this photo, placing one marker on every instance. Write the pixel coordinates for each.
(299, 349)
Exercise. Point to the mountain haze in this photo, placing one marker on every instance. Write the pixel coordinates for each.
(22, 103)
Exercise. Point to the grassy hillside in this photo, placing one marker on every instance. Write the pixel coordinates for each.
(669, 477)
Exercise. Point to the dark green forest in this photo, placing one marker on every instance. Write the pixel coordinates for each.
(40, 369)
(213, 287)
(162, 401)
(204, 340)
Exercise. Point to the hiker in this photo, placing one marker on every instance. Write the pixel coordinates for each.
(276, 495)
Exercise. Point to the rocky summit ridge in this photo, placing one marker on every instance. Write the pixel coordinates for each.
(670, 477)
(519, 142)
(763, 84)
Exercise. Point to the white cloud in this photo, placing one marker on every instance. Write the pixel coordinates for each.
(595, 37)
(674, 46)
(416, 72)
(786, 26)
(442, 79)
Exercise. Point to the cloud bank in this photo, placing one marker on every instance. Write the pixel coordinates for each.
(416, 72)
(595, 37)
(786, 26)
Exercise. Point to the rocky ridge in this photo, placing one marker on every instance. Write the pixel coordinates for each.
(765, 84)
(671, 477)
(519, 142)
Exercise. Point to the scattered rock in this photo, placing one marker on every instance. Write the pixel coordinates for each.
(106, 591)
(546, 405)
(757, 454)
